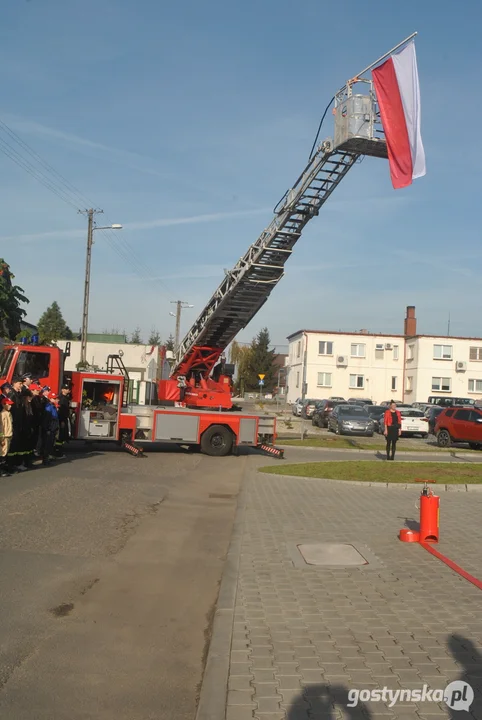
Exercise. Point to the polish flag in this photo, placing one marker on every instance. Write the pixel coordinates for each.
(398, 93)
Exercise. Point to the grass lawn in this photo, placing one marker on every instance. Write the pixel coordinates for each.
(375, 471)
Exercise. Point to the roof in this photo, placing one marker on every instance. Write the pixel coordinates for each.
(342, 332)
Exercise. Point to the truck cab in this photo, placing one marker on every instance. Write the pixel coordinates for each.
(43, 362)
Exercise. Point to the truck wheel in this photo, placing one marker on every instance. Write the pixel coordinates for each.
(217, 441)
(443, 438)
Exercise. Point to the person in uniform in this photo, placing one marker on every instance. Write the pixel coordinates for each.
(64, 420)
(50, 426)
(14, 457)
(6, 432)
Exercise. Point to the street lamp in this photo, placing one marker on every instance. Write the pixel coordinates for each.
(91, 227)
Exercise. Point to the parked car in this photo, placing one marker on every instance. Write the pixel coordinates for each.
(376, 413)
(413, 422)
(336, 398)
(297, 405)
(350, 420)
(430, 416)
(322, 411)
(360, 401)
(450, 401)
(460, 424)
(308, 407)
(386, 404)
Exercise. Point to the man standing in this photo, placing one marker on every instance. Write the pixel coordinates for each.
(393, 428)
(50, 426)
(6, 432)
(14, 457)
(64, 421)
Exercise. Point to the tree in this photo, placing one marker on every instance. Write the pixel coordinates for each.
(240, 355)
(11, 297)
(261, 362)
(136, 337)
(154, 338)
(52, 326)
(170, 344)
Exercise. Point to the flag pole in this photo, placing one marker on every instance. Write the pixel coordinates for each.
(386, 54)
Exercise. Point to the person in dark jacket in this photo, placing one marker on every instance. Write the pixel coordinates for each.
(26, 440)
(14, 457)
(393, 429)
(64, 420)
(50, 427)
(38, 403)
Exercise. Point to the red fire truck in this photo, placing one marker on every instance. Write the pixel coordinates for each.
(195, 405)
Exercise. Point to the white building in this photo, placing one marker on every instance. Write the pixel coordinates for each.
(407, 368)
(142, 362)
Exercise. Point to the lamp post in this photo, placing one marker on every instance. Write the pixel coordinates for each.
(91, 227)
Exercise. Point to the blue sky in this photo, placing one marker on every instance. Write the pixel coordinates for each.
(186, 122)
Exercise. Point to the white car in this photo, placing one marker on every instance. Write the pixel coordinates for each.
(413, 422)
(297, 407)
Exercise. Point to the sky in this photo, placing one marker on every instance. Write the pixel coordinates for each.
(186, 122)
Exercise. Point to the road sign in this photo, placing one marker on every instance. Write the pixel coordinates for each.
(261, 382)
(261, 377)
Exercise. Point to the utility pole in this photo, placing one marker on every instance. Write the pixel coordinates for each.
(180, 305)
(90, 241)
(85, 312)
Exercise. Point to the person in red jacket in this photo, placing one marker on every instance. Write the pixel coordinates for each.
(393, 429)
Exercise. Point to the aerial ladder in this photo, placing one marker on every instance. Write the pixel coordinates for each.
(200, 377)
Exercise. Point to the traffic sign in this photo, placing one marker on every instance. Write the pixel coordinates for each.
(261, 377)
(261, 382)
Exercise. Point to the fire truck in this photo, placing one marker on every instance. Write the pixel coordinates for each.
(195, 403)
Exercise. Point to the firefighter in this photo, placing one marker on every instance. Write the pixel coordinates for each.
(50, 426)
(26, 440)
(37, 410)
(15, 453)
(64, 420)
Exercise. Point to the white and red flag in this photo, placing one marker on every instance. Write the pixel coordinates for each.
(398, 93)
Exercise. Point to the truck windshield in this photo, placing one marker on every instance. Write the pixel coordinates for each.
(5, 361)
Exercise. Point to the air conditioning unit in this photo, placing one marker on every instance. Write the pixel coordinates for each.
(342, 360)
(388, 346)
(379, 347)
(460, 366)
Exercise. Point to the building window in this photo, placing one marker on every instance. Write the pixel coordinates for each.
(442, 352)
(441, 384)
(379, 352)
(411, 352)
(297, 379)
(325, 348)
(395, 352)
(475, 353)
(358, 350)
(298, 349)
(409, 383)
(324, 379)
(357, 382)
(394, 382)
(475, 386)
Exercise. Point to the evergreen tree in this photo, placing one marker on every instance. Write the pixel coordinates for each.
(170, 344)
(11, 297)
(136, 337)
(261, 361)
(154, 338)
(52, 326)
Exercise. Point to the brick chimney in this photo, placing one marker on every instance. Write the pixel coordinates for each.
(410, 325)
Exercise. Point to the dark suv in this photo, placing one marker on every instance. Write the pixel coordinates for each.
(323, 410)
(459, 424)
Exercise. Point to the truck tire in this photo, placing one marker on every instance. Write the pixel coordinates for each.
(217, 441)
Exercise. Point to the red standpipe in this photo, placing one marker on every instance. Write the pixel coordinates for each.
(429, 518)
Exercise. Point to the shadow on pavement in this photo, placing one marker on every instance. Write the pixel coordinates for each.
(409, 523)
(469, 658)
(325, 701)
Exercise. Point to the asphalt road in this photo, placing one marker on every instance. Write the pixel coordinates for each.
(110, 568)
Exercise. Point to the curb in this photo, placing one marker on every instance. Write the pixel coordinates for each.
(428, 453)
(212, 700)
(399, 486)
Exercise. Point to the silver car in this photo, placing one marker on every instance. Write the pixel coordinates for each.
(350, 420)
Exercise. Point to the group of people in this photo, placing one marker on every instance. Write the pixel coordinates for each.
(34, 424)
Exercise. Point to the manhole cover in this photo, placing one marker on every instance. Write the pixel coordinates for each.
(331, 554)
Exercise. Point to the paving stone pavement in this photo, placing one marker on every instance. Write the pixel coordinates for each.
(303, 637)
